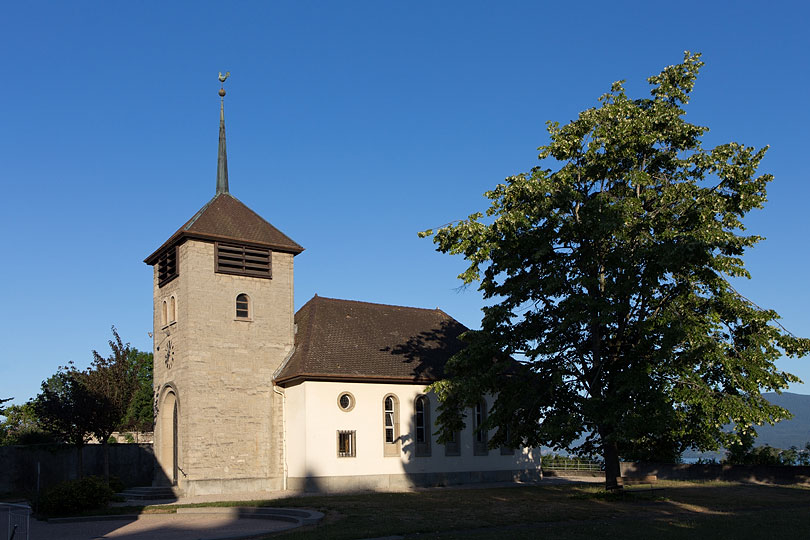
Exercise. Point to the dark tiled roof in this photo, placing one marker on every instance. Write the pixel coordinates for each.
(226, 218)
(348, 340)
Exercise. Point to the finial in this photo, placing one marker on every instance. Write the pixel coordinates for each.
(222, 155)
(222, 79)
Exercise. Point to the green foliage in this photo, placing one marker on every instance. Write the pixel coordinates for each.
(115, 393)
(63, 407)
(743, 452)
(22, 426)
(140, 413)
(607, 271)
(75, 496)
(75, 405)
(113, 381)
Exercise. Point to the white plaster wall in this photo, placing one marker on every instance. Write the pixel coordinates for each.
(295, 421)
(313, 419)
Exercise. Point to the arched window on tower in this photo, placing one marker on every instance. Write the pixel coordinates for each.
(172, 309)
(164, 313)
(242, 306)
(390, 425)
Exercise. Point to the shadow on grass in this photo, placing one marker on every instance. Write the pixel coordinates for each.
(579, 510)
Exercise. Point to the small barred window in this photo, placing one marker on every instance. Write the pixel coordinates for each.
(346, 444)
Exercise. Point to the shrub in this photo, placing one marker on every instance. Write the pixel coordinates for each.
(116, 484)
(75, 496)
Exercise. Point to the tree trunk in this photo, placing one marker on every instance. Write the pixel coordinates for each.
(612, 467)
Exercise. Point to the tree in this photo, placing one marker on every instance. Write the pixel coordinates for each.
(113, 381)
(612, 313)
(62, 408)
(140, 413)
(22, 426)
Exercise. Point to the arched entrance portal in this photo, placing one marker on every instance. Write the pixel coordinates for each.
(168, 444)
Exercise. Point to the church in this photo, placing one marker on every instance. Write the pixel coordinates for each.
(253, 396)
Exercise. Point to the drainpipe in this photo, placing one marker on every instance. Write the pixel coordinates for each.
(283, 435)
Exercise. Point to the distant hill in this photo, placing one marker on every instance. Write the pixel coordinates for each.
(787, 433)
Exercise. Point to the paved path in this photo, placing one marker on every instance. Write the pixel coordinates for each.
(196, 526)
(148, 526)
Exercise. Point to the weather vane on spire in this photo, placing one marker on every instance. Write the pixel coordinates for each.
(222, 79)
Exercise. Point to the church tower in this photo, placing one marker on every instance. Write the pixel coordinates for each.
(223, 324)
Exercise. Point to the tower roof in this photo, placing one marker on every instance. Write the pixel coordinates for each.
(350, 340)
(225, 218)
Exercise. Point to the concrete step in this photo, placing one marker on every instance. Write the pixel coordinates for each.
(150, 493)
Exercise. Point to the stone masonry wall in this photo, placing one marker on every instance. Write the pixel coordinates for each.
(222, 369)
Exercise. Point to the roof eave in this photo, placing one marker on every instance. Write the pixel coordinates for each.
(292, 380)
(182, 236)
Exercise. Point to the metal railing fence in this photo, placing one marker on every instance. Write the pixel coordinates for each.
(19, 519)
(570, 464)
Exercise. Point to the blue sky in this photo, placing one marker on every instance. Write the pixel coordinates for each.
(351, 127)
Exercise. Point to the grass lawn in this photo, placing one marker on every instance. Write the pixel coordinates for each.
(570, 511)
(714, 510)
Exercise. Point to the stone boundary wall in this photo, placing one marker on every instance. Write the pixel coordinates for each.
(133, 464)
(732, 473)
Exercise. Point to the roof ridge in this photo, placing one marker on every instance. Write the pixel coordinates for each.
(199, 213)
(308, 332)
(374, 304)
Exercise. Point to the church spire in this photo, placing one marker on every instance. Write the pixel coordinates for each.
(222, 155)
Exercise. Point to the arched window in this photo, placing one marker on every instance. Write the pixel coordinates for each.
(452, 447)
(422, 425)
(172, 309)
(164, 317)
(506, 450)
(391, 441)
(480, 435)
(242, 306)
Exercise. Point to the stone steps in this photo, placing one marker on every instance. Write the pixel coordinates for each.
(150, 493)
(292, 515)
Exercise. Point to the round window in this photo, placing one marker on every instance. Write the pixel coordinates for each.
(346, 401)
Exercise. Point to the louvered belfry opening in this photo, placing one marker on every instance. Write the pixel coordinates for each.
(243, 260)
(167, 266)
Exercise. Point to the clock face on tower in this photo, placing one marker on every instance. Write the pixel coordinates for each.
(168, 358)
